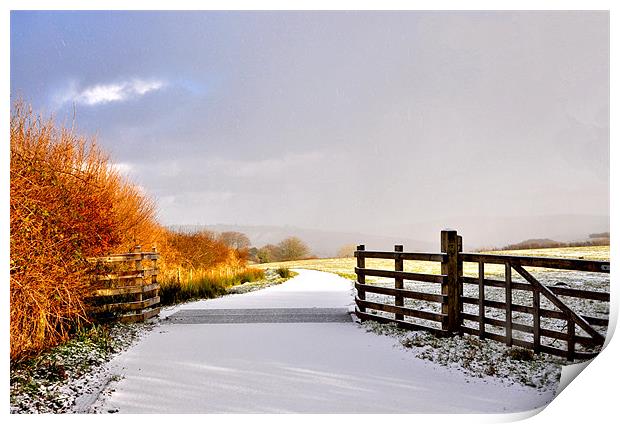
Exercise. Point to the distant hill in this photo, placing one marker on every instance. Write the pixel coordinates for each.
(534, 244)
(477, 232)
(322, 243)
(548, 243)
(496, 231)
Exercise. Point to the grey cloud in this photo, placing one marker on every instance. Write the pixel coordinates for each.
(351, 120)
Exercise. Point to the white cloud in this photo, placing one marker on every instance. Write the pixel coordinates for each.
(114, 92)
(142, 87)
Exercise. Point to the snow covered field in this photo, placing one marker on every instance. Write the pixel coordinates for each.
(328, 367)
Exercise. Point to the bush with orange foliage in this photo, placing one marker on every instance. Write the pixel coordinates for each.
(193, 255)
(201, 264)
(200, 249)
(67, 203)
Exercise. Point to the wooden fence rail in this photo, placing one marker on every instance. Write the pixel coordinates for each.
(128, 291)
(399, 293)
(458, 292)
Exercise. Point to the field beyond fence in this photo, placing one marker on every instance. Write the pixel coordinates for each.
(345, 266)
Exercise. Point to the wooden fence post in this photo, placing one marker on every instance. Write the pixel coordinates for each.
(481, 311)
(138, 281)
(155, 269)
(508, 278)
(450, 287)
(459, 275)
(398, 281)
(361, 278)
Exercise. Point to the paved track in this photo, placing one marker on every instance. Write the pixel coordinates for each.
(291, 348)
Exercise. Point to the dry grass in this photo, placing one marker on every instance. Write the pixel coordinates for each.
(189, 255)
(206, 285)
(200, 265)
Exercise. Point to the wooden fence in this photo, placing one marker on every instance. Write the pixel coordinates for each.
(551, 320)
(127, 288)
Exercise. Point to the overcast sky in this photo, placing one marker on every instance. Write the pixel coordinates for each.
(334, 120)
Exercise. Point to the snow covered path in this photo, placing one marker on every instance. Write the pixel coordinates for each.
(292, 367)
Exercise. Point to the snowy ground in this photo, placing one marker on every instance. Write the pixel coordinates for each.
(327, 367)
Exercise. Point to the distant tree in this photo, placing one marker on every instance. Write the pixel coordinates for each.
(235, 240)
(346, 251)
(268, 253)
(253, 254)
(599, 235)
(534, 244)
(293, 248)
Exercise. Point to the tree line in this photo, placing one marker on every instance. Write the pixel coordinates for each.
(289, 249)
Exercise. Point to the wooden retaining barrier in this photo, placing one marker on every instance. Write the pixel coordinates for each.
(578, 329)
(128, 290)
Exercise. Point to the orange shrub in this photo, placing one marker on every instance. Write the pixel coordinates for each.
(198, 251)
(66, 204)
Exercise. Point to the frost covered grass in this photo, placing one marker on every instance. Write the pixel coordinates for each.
(272, 277)
(478, 358)
(577, 280)
(53, 381)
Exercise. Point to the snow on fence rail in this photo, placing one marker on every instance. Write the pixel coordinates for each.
(517, 309)
(126, 290)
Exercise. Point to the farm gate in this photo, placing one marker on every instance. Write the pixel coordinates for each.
(491, 301)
